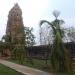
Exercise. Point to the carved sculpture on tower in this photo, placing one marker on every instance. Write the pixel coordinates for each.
(15, 27)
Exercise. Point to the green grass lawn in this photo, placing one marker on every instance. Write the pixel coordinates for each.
(39, 64)
(35, 63)
(7, 71)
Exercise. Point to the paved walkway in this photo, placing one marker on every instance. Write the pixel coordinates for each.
(23, 69)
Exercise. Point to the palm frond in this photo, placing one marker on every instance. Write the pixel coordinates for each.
(52, 26)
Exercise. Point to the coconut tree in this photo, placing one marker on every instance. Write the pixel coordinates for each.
(60, 57)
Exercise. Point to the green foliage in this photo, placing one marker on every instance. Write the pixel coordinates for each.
(60, 57)
(71, 34)
(19, 53)
(37, 63)
(29, 37)
(1, 46)
(6, 38)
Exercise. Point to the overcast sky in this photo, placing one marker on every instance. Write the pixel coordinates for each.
(36, 10)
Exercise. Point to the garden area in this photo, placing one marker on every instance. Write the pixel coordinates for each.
(40, 64)
(56, 51)
(59, 60)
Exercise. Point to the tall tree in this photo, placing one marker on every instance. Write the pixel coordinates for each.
(71, 34)
(60, 57)
(29, 36)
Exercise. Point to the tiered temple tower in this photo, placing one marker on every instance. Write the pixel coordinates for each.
(15, 27)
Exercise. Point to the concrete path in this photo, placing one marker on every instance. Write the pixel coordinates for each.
(23, 69)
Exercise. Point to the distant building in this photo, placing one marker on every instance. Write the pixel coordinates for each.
(15, 27)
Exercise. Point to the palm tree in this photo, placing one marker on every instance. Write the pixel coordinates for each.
(60, 57)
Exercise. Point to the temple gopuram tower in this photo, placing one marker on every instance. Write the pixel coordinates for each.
(15, 27)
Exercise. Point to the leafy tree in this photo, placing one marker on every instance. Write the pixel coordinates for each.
(19, 44)
(60, 57)
(6, 39)
(19, 53)
(29, 37)
(1, 47)
(71, 34)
